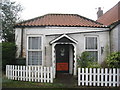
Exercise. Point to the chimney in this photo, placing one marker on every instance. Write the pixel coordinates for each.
(99, 12)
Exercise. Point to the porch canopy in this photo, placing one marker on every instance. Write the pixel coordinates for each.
(63, 40)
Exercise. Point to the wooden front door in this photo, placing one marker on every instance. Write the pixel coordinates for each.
(62, 58)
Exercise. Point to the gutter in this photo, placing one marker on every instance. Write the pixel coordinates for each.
(77, 32)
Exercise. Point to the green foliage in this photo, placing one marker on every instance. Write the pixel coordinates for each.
(21, 61)
(85, 60)
(93, 65)
(8, 54)
(10, 15)
(104, 64)
(113, 60)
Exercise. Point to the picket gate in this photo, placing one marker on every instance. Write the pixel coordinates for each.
(30, 73)
(98, 77)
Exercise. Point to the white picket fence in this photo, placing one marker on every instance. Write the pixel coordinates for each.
(98, 77)
(30, 73)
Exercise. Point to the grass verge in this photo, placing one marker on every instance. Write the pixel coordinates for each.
(23, 84)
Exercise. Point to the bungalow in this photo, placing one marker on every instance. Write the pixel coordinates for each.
(56, 40)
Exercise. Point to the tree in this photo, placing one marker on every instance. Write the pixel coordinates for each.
(10, 15)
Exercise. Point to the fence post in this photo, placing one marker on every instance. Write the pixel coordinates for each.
(90, 82)
(18, 73)
(44, 74)
(38, 74)
(11, 73)
(94, 74)
(102, 74)
(32, 70)
(98, 76)
(35, 74)
(83, 76)
(86, 77)
(21, 73)
(106, 75)
(79, 76)
(41, 74)
(15, 72)
(8, 71)
(114, 74)
(110, 76)
(118, 77)
(26, 76)
(24, 73)
(51, 74)
(48, 71)
(29, 71)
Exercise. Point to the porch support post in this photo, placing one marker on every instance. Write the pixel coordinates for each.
(53, 60)
(75, 60)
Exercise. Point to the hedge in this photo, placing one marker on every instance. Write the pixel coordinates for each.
(8, 54)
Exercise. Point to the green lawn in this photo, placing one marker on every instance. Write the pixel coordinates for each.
(22, 84)
(57, 84)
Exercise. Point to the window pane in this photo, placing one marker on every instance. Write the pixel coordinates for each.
(30, 42)
(94, 55)
(34, 43)
(91, 43)
(35, 58)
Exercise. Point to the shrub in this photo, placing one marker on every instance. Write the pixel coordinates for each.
(21, 61)
(104, 64)
(86, 61)
(8, 54)
(113, 60)
(83, 60)
(93, 65)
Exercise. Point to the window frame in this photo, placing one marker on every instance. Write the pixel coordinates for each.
(34, 49)
(98, 52)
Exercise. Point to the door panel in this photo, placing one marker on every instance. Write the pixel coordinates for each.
(62, 58)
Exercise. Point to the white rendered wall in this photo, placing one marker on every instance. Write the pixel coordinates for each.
(77, 33)
(115, 38)
(18, 41)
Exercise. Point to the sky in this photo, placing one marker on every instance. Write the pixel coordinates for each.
(86, 8)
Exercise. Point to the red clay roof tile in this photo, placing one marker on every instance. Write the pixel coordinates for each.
(111, 16)
(60, 20)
